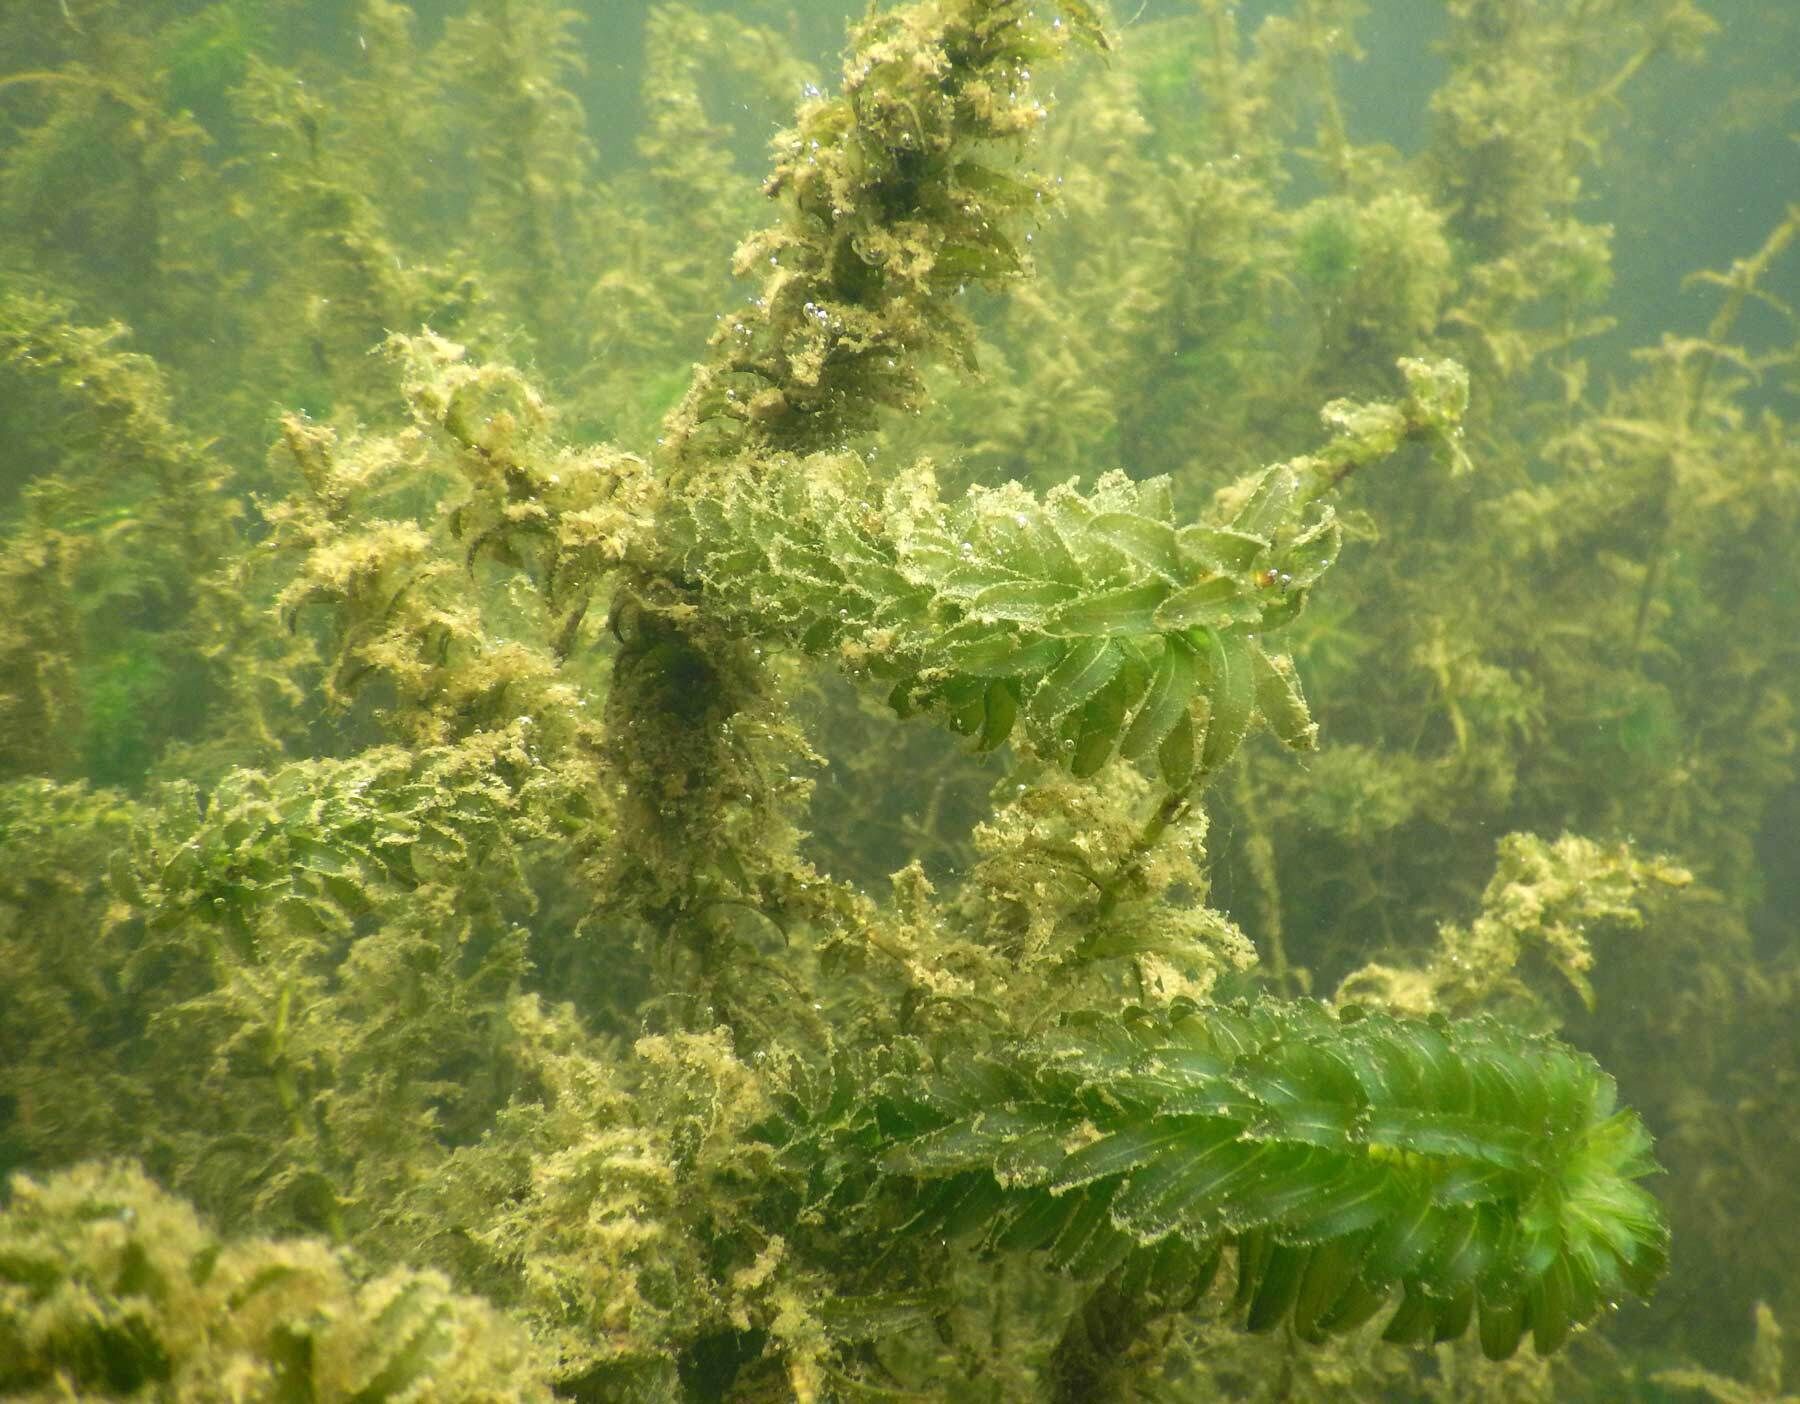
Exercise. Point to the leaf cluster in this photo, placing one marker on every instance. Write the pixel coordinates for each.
(114, 1289)
(1486, 1173)
(1094, 618)
(320, 958)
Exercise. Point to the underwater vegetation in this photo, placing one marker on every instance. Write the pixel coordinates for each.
(1104, 728)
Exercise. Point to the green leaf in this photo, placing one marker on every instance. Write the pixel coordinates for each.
(1312, 553)
(1098, 723)
(1002, 710)
(1023, 601)
(964, 702)
(1345, 1160)
(1087, 667)
(1270, 505)
(1280, 609)
(1119, 1153)
(1018, 542)
(1217, 550)
(928, 562)
(981, 252)
(970, 579)
(1231, 689)
(995, 654)
(1165, 702)
(1280, 702)
(984, 180)
(1131, 610)
(1216, 603)
(1149, 543)
(1178, 753)
(1084, 19)
(1197, 1183)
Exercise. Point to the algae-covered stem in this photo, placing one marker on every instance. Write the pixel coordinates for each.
(892, 200)
(1740, 284)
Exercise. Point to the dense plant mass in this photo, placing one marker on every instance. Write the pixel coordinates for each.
(1153, 676)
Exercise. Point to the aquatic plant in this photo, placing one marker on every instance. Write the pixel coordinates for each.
(1339, 1157)
(458, 901)
(110, 1288)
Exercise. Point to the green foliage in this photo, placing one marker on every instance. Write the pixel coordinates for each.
(1482, 1171)
(111, 1288)
(61, 999)
(123, 695)
(107, 602)
(1381, 268)
(614, 1210)
(458, 901)
(520, 129)
(1092, 618)
(894, 198)
(207, 54)
(654, 292)
(1084, 889)
(408, 623)
(1537, 909)
(1082, 615)
(319, 959)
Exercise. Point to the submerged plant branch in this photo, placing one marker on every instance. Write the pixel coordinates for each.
(1484, 1173)
(1093, 618)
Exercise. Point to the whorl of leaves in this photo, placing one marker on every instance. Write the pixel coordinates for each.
(1091, 618)
(1095, 619)
(1484, 1172)
(318, 844)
